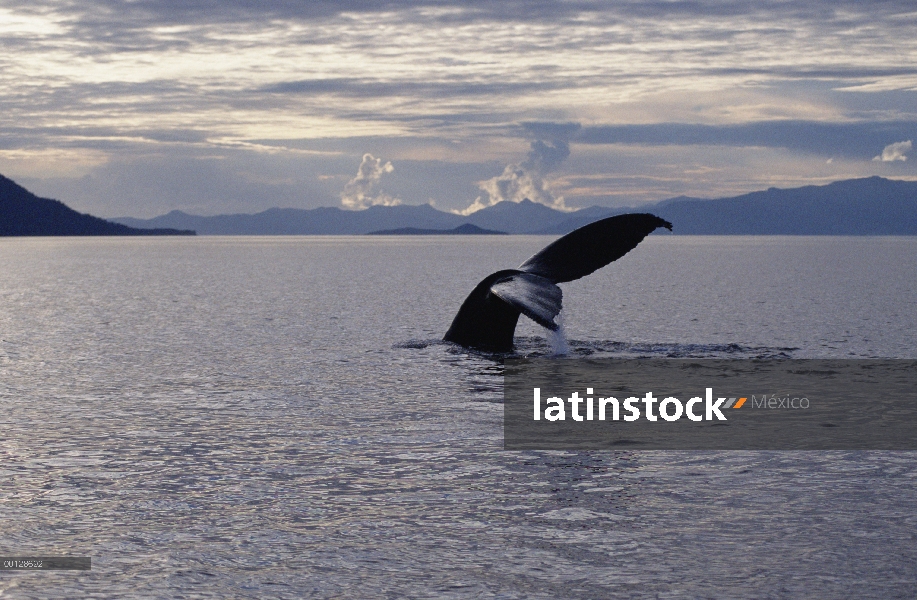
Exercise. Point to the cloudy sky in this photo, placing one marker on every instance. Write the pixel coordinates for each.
(135, 108)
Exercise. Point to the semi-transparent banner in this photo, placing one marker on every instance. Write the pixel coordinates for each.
(687, 404)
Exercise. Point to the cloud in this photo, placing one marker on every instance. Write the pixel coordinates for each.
(894, 152)
(419, 81)
(460, 11)
(550, 130)
(369, 88)
(854, 139)
(363, 190)
(525, 180)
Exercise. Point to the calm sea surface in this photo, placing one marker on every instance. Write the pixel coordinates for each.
(272, 417)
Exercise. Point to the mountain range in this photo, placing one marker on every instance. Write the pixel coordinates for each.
(23, 213)
(868, 206)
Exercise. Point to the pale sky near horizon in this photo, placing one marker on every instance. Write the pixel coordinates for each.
(123, 108)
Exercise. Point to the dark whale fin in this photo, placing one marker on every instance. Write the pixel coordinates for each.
(487, 318)
(592, 246)
(485, 321)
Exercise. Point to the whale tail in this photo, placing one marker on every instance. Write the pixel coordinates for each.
(488, 317)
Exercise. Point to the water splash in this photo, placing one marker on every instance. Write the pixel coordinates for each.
(558, 339)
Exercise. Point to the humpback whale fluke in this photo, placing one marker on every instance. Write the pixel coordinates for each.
(487, 318)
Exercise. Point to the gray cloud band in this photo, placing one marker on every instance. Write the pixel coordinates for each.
(856, 140)
(169, 11)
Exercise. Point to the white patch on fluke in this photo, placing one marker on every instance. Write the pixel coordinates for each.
(536, 297)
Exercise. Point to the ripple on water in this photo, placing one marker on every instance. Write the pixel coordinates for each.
(217, 417)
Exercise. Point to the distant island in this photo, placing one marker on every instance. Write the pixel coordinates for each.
(868, 206)
(22, 213)
(466, 229)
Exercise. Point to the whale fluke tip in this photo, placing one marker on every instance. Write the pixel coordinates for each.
(488, 316)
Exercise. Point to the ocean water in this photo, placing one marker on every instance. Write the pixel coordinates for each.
(273, 417)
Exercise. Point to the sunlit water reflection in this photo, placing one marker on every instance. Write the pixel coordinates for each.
(273, 417)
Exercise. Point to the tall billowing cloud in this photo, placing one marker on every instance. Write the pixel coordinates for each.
(363, 190)
(893, 152)
(525, 180)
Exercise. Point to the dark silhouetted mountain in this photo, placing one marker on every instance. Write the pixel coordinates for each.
(24, 213)
(466, 229)
(510, 217)
(871, 206)
(517, 217)
(317, 221)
